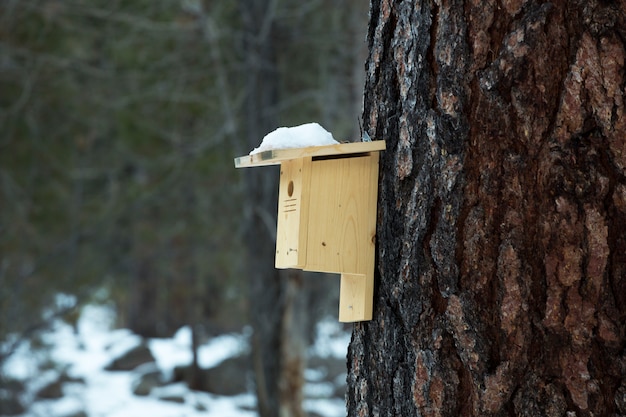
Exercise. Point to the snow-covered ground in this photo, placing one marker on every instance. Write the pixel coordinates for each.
(91, 391)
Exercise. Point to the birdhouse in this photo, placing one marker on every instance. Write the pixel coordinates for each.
(327, 215)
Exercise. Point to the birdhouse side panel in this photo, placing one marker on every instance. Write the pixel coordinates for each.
(339, 230)
(293, 207)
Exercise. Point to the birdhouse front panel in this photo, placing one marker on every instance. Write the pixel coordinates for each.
(293, 209)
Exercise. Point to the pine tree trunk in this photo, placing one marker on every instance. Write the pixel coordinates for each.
(501, 286)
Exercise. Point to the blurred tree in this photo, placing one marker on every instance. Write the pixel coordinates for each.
(502, 256)
(114, 162)
(118, 124)
(288, 56)
(266, 284)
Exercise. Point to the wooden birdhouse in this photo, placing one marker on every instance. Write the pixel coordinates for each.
(327, 215)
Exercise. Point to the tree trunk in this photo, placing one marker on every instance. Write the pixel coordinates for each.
(501, 286)
(278, 360)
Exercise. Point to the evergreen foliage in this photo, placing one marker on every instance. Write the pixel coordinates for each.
(118, 124)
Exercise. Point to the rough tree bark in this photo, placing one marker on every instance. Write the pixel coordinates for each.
(501, 286)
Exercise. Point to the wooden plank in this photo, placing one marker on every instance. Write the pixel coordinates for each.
(356, 293)
(276, 156)
(293, 208)
(340, 234)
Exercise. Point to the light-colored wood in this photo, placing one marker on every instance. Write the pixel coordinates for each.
(276, 156)
(293, 209)
(342, 229)
(354, 303)
(366, 290)
(356, 294)
(327, 204)
(339, 235)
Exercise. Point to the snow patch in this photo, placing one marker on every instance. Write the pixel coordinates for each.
(309, 134)
(330, 340)
(170, 353)
(84, 350)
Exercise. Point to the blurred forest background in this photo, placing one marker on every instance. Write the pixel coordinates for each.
(119, 121)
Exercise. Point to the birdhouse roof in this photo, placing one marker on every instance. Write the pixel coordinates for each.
(276, 156)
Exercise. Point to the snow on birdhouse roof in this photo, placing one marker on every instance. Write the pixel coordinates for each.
(309, 134)
(308, 140)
